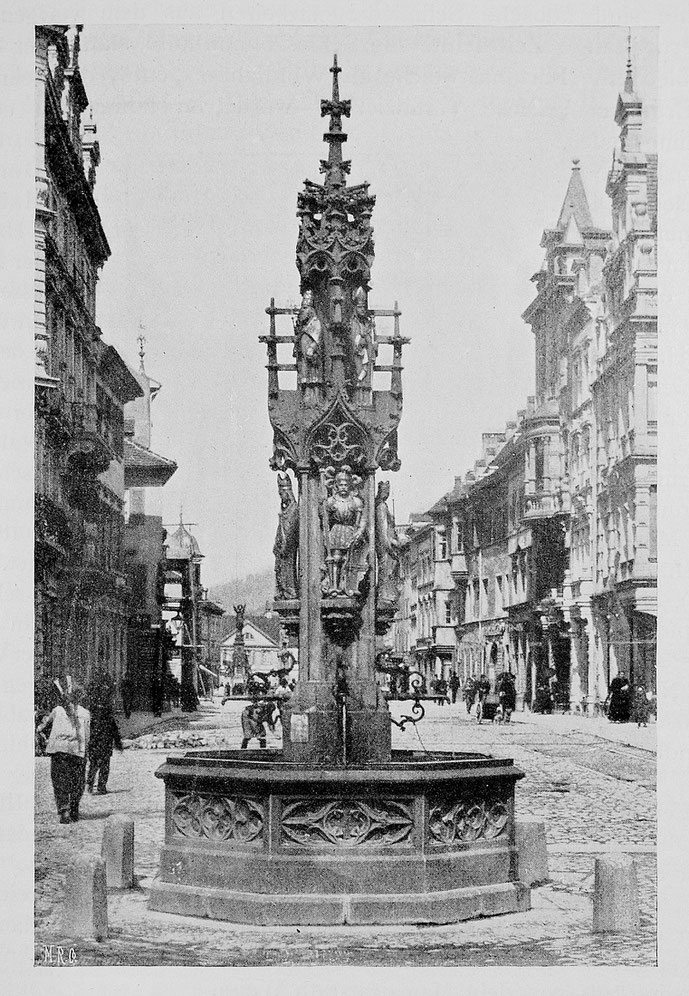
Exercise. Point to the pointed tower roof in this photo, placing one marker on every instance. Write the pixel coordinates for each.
(334, 167)
(628, 112)
(182, 545)
(575, 204)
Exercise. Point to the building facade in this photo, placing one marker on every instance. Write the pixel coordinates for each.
(82, 385)
(551, 539)
(182, 613)
(210, 638)
(146, 473)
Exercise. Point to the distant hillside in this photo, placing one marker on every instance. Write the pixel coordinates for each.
(256, 591)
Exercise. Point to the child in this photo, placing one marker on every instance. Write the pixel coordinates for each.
(642, 706)
(252, 725)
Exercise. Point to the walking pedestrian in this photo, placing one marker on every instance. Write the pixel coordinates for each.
(67, 746)
(507, 694)
(454, 686)
(470, 693)
(441, 690)
(105, 735)
(482, 690)
(619, 699)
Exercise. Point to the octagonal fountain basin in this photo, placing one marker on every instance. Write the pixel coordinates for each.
(425, 838)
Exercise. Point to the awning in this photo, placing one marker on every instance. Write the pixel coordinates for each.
(202, 667)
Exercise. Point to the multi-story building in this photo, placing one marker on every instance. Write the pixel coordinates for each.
(423, 634)
(82, 384)
(181, 613)
(551, 539)
(145, 562)
(595, 320)
(210, 638)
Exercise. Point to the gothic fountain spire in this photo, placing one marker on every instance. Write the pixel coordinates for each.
(334, 167)
(336, 811)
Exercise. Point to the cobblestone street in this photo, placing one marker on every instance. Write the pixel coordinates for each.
(594, 788)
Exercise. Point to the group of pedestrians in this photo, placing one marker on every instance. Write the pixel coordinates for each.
(77, 739)
(625, 704)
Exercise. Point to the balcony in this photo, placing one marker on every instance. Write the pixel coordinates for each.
(458, 568)
(444, 636)
(546, 505)
(88, 448)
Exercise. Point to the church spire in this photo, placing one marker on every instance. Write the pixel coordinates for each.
(334, 167)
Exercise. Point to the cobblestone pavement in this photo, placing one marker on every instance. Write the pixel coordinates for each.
(594, 795)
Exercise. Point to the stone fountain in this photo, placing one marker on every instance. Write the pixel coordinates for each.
(336, 827)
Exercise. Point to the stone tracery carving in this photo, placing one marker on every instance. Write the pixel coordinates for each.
(218, 817)
(348, 822)
(465, 820)
(338, 442)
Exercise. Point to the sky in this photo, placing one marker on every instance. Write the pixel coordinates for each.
(466, 136)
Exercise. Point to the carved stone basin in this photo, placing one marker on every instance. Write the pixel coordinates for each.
(426, 838)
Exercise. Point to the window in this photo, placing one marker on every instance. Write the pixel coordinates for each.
(448, 612)
(498, 593)
(652, 397)
(653, 522)
(539, 463)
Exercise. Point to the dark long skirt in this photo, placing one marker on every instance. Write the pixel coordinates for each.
(619, 707)
(67, 776)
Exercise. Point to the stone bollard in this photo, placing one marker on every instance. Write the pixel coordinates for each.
(615, 895)
(86, 899)
(532, 852)
(117, 850)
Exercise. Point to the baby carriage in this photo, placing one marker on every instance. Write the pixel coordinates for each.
(487, 708)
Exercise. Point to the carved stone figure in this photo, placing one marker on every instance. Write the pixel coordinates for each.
(286, 541)
(344, 533)
(239, 612)
(308, 348)
(362, 336)
(387, 549)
